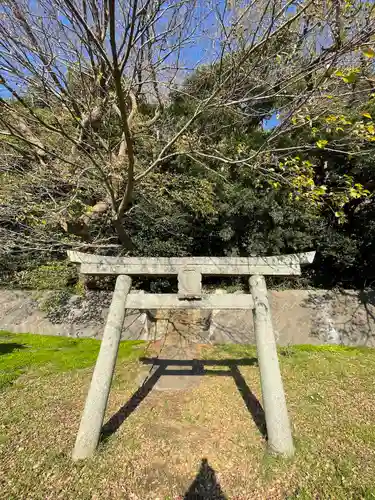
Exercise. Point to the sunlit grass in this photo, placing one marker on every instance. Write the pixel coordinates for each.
(24, 352)
(158, 450)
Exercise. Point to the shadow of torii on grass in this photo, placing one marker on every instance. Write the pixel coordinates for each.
(190, 367)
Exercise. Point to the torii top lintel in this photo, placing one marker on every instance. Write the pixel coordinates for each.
(167, 266)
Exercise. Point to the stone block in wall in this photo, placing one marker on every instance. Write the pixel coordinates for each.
(345, 317)
(186, 322)
(233, 326)
(138, 324)
(291, 319)
(82, 317)
(135, 326)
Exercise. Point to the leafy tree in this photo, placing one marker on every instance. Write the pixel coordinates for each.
(113, 138)
(89, 84)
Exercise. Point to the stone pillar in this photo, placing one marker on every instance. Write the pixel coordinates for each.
(96, 402)
(280, 439)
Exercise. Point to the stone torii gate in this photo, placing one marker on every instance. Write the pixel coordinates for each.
(189, 271)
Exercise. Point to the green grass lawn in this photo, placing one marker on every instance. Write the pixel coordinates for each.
(159, 449)
(20, 353)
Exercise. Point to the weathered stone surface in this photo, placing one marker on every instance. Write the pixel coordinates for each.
(180, 263)
(273, 265)
(346, 317)
(191, 301)
(97, 397)
(182, 331)
(189, 283)
(159, 269)
(81, 317)
(230, 327)
(299, 316)
(292, 320)
(278, 426)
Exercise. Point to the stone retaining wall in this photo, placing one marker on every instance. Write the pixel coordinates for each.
(299, 316)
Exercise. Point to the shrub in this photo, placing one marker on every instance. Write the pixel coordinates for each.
(51, 276)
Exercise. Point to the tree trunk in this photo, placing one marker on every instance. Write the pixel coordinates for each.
(122, 235)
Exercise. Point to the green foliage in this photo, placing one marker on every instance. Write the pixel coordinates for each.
(50, 276)
(321, 144)
(79, 288)
(368, 52)
(280, 201)
(349, 75)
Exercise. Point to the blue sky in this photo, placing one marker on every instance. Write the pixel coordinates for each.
(271, 123)
(203, 46)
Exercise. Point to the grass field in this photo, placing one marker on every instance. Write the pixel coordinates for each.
(172, 442)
